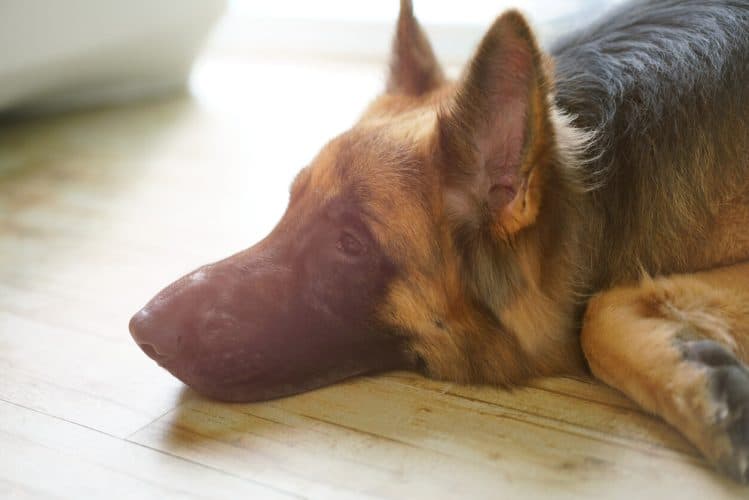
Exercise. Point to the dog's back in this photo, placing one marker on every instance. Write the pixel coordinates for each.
(665, 86)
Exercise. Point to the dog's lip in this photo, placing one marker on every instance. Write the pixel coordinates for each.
(259, 388)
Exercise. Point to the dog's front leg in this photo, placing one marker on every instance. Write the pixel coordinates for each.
(678, 347)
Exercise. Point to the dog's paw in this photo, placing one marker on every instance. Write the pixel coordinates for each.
(728, 394)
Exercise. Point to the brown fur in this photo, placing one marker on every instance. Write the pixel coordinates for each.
(478, 195)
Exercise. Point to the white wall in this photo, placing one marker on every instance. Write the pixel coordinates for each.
(362, 29)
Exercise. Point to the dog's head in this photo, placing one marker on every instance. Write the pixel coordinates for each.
(431, 236)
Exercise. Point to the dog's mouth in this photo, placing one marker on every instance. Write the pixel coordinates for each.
(233, 331)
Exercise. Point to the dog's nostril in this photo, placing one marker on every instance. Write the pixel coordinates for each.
(152, 352)
(155, 335)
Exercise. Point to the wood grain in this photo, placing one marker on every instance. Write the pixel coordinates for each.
(100, 208)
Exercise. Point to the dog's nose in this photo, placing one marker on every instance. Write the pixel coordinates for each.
(158, 340)
(176, 314)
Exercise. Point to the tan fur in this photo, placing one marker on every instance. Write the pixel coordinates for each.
(535, 335)
(630, 337)
(490, 238)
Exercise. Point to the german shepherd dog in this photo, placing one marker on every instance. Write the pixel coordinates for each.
(541, 215)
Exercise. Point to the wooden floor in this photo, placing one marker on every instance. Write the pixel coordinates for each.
(99, 209)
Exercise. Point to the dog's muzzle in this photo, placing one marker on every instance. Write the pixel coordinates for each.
(237, 330)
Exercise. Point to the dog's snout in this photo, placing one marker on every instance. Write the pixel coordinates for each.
(189, 309)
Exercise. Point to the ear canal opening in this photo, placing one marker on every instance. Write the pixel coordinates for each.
(497, 128)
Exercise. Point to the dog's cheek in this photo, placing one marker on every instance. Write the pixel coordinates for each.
(348, 289)
(415, 310)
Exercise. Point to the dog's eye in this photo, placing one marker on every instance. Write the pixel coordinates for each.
(348, 244)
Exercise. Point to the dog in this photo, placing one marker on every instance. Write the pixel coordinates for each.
(585, 209)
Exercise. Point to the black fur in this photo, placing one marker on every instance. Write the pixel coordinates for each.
(664, 85)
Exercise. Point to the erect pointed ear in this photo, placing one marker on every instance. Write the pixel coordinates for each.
(496, 132)
(414, 69)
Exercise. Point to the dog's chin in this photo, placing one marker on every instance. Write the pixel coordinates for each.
(241, 383)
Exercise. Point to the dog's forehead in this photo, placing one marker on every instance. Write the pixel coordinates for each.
(392, 138)
(403, 120)
(385, 173)
(373, 159)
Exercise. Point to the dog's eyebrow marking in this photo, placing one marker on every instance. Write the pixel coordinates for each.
(350, 216)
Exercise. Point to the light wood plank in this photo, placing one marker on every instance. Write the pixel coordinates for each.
(45, 457)
(395, 442)
(98, 382)
(583, 407)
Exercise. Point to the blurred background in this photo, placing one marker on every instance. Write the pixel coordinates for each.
(55, 55)
(361, 29)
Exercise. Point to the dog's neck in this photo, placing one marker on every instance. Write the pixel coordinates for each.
(540, 298)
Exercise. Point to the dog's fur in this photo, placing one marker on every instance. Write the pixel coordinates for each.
(596, 197)
(532, 184)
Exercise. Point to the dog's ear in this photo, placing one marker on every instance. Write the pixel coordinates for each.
(414, 70)
(496, 133)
